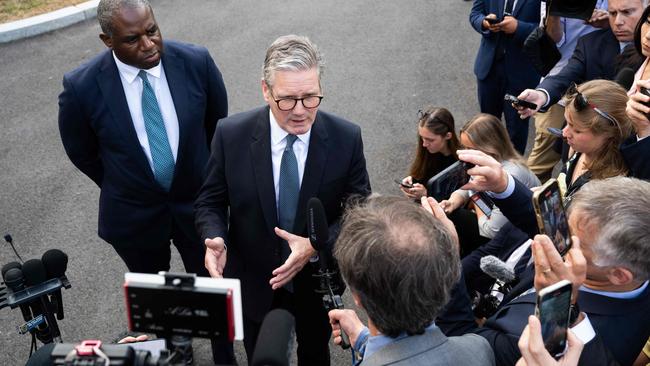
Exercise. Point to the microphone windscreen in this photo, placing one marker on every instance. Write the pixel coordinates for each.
(317, 227)
(625, 78)
(55, 262)
(34, 272)
(9, 266)
(274, 342)
(14, 279)
(496, 268)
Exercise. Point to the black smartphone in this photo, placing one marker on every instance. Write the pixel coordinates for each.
(646, 92)
(557, 132)
(553, 310)
(551, 217)
(519, 102)
(483, 202)
(443, 184)
(493, 20)
(405, 185)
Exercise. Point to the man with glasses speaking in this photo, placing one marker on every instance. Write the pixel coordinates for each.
(265, 165)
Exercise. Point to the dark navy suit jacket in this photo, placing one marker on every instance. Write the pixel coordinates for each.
(593, 58)
(520, 71)
(99, 137)
(237, 201)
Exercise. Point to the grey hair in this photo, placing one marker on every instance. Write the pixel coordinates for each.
(107, 8)
(291, 53)
(399, 260)
(620, 208)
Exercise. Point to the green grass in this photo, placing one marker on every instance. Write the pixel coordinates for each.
(18, 9)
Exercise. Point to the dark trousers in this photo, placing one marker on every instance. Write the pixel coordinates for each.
(155, 258)
(491, 91)
(313, 330)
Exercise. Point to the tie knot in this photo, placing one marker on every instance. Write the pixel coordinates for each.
(290, 140)
(143, 75)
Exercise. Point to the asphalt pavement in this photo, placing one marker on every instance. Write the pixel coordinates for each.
(384, 61)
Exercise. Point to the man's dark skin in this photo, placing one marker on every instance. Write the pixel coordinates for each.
(136, 38)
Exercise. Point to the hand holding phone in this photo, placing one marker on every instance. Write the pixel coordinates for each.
(493, 21)
(553, 311)
(403, 183)
(531, 342)
(519, 102)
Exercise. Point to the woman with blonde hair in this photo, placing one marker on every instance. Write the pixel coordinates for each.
(597, 124)
(435, 151)
(486, 133)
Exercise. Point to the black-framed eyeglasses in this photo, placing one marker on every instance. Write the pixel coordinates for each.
(580, 102)
(287, 104)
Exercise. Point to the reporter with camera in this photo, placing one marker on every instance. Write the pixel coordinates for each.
(403, 284)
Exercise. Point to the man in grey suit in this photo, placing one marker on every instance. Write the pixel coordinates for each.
(400, 263)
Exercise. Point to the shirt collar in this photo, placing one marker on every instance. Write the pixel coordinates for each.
(130, 73)
(278, 134)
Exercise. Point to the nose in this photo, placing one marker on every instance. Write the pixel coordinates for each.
(618, 20)
(146, 43)
(299, 108)
(565, 131)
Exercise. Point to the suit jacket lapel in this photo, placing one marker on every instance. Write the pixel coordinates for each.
(175, 73)
(518, 6)
(263, 168)
(314, 168)
(110, 85)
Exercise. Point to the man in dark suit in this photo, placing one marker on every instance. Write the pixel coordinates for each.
(148, 164)
(595, 56)
(138, 120)
(501, 67)
(265, 164)
(608, 266)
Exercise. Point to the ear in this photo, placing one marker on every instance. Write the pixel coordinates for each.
(108, 41)
(357, 302)
(620, 276)
(448, 136)
(266, 92)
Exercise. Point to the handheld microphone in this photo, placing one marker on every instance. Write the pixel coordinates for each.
(35, 274)
(56, 263)
(497, 269)
(625, 77)
(274, 342)
(15, 281)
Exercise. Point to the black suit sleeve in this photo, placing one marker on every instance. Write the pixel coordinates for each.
(217, 106)
(211, 205)
(574, 71)
(79, 139)
(635, 154)
(518, 209)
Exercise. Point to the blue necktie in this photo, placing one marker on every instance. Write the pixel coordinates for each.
(288, 196)
(161, 152)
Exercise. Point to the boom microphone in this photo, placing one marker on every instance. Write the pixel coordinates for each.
(274, 342)
(497, 269)
(56, 262)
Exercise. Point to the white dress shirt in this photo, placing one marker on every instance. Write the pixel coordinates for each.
(278, 143)
(132, 86)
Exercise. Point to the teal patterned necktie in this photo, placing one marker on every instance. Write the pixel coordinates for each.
(288, 196)
(161, 152)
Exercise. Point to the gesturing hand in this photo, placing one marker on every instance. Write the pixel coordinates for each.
(215, 256)
(301, 251)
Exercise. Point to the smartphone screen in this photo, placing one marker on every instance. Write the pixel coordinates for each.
(483, 202)
(443, 184)
(553, 311)
(551, 218)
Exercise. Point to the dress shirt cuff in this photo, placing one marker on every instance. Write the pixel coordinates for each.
(507, 193)
(584, 330)
(360, 345)
(548, 97)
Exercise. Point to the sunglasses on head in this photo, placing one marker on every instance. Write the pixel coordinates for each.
(580, 103)
(422, 116)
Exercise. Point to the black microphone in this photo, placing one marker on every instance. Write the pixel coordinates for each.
(274, 341)
(15, 281)
(9, 266)
(35, 274)
(56, 262)
(625, 77)
(318, 229)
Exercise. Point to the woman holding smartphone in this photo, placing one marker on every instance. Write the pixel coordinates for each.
(486, 133)
(596, 125)
(435, 151)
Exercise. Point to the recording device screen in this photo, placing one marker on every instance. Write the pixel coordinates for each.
(210, 308)
(553, 311)
(551, 217)
(443, 184)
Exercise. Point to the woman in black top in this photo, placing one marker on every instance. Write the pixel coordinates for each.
(436, 149)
